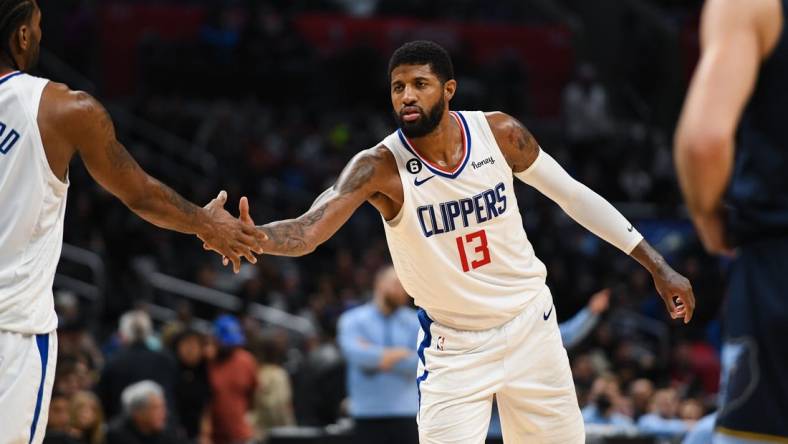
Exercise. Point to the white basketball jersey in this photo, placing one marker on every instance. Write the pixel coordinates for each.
(458, 244)
(32, 207)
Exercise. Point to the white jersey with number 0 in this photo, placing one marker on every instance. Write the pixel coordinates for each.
(32, 207)
(458, 244)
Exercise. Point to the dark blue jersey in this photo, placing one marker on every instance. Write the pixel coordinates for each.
(757, 198)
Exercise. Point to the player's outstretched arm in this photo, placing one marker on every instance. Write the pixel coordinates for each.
(358, 182)
(85, 124)
(724, 79)
(538, 169)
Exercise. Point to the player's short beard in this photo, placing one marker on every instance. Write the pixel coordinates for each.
(426, 123)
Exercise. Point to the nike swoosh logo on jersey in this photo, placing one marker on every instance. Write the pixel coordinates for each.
(630, 228)
(418, 182)
(546, 316)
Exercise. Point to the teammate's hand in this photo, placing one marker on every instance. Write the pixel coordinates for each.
(675, 291)
(599, 301)
(228, 236)
(243, 211)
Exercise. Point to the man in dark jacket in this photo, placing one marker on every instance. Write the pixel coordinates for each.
(144, 419)
(135, 362)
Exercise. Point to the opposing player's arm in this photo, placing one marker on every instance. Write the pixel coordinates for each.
(87, 126)
(537, 168)
(732, 48)
(359, 181)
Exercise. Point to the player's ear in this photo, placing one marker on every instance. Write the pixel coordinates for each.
(23, 38)
(449, 88)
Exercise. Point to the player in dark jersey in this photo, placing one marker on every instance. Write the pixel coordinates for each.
(732, 161)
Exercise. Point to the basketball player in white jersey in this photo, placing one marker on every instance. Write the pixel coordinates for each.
(42, 126)
(443, 184)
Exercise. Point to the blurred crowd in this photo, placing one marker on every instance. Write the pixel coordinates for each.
(175, 384)
(280, 118)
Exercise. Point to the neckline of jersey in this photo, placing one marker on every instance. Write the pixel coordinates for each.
(466, 144)
(9, 75)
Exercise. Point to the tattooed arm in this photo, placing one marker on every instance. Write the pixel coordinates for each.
(589, 209)
(87, 127)
(359, 181)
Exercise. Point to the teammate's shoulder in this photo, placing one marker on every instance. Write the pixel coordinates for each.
(63, 97)
(73, 108)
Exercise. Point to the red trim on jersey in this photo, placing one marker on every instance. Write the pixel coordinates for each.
(464, 148)
(8, 75)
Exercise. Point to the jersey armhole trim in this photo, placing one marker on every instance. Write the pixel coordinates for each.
(394, 222)
(56, 181)
(487, 130)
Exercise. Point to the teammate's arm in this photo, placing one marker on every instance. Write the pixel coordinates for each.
(536, 168)
(87, 126)
(723, 82)
(358, 182)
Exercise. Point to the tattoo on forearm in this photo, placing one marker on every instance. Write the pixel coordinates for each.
(293, 237)
(322, 195)
(181, 204)
(119, 158)
(288, 238)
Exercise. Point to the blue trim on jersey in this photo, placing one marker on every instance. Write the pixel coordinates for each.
(43, 349)
(425, 323)
(9, 76)
(407, 146)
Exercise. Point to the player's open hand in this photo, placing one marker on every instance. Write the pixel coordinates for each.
(676, 292)
(232, 238)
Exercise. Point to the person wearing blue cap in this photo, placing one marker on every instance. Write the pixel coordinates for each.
(233, 377)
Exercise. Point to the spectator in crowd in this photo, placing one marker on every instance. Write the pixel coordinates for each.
(691, 410)
(68, 379)
(172, 329)
(586, 112)
(73, 337)
(273, 400)
(233, 380)
(702, 432)
(87, 419)
(604, 402)
(574, 330)
(192, 388)
(583, 372)
(134, 362)
(641, 391)
(144, 419)
(320, 388)
(59, 430)
(377, 340)
(663, 421)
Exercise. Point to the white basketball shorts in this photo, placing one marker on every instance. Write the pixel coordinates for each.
(522, 363)
(27, 374)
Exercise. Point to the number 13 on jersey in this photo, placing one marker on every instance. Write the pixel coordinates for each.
(478, 241)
